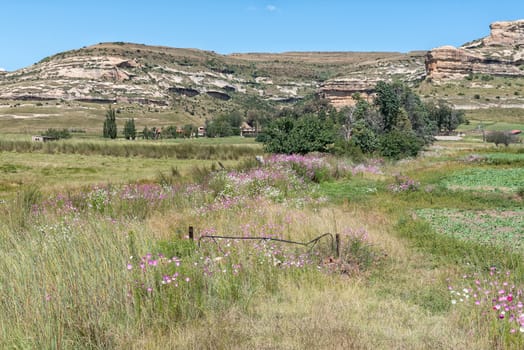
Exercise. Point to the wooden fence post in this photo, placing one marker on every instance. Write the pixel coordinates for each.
(191, 237)
(337, 244)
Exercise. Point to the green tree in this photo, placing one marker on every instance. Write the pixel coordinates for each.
(398, 144)
(110, 129)
(170, 132)
(402, 121)
(220, 127)
(147, 133)
(308, 133)
(130, 129)
(445, 117)
(364, 137)
(277, 134)
(189, 130)
(388, 103)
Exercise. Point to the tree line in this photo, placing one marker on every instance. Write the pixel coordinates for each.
(396, 124)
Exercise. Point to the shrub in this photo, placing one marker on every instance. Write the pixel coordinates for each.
(397, 144)
(57, 134)
(404, 184)
(299, 136)
(500, 137)
(348, 149)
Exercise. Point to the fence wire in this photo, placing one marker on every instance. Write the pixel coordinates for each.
(311, 244)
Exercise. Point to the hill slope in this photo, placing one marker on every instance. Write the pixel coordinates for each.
(193, 85)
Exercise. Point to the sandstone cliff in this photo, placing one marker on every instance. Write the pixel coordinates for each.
(134, 73)
(499, 54)
(205, 82)
(363, 77)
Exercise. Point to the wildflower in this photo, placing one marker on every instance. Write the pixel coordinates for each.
(129, 266)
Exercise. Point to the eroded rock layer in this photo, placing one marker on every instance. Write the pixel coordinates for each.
(499, 54)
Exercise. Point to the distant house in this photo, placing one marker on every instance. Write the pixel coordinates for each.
(201, 131)
(248, 130)
(40, 138)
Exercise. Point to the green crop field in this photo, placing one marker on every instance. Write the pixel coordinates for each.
(492, 227)
(510, 179)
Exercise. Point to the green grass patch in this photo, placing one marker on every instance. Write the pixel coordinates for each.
(52, 171)
(488, 179)
(508, 115)
(450, 250)
(504, 228)
(355, 190)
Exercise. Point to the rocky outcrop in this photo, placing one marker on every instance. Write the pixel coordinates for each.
(365, 76)
(184, 91)
(505, 34)
(499, 54)
(133, 73)
(220, 95)
(341, 92)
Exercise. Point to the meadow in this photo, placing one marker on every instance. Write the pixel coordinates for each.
(96, 248)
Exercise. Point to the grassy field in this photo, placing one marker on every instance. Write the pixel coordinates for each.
(495, 96)
(96, 251)
(32, 117)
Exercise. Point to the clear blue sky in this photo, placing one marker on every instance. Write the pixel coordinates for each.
(33, 29)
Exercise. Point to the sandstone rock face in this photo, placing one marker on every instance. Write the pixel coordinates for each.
(363, 77)
(340, 92)
(505, 34)
(133, 73)
(499, 54)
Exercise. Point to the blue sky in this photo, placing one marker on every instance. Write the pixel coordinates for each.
(32, 30)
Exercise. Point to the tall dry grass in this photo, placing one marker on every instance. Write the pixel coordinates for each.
(189, 150)
(71, 274)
